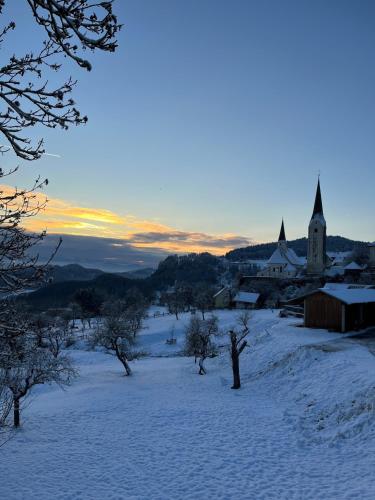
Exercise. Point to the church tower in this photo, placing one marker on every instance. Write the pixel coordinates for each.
(282, 240)
(316, 248)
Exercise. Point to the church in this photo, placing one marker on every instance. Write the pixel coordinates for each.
(284, 263)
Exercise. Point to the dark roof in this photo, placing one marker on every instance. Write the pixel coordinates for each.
(282, 232)
(318, 206)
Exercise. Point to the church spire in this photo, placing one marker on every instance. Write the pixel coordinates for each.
(282, 232)
(318, 205)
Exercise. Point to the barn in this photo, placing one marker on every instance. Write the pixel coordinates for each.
(341, 309)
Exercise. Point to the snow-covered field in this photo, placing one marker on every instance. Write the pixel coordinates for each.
(301, 427)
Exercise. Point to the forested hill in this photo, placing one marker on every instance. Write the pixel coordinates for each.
(264, 250)
(189, 269)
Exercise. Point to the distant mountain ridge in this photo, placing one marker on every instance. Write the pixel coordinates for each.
(264, 250)
(72, 272)
(76, 272)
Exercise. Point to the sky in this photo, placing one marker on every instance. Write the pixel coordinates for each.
(211, 122)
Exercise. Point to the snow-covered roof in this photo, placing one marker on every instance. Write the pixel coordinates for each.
(289, 267)
(334, 271)
(249, 297)
(353, 266)
(283, 255)
(348, 293)
(352, 295)
(336, 286)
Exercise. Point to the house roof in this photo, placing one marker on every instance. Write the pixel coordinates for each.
(336, 286)
(348, 293)
(220, 291)
(352, 295)
(249, 297)
(353, 266)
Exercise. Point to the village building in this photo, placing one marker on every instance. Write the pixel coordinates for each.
(338, 306)
(246, 300)
(284, 262)
(353, 270)
(222, 299)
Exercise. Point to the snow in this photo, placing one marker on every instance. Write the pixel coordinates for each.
(353, 266)
(301, 427)
(336, 286)
(352, 295)
(284, 255)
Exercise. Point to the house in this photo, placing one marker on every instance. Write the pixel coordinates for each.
(353, 270)
(246, 300)
(222, 298)
(341, 307)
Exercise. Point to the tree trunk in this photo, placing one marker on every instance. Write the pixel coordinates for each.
(235, 355)
(202, 370)
(236, 370)
(16, 412)
(127, 367)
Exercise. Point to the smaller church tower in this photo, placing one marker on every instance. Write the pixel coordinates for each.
(316, 249)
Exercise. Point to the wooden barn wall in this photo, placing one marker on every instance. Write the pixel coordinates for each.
(369, 314)
(322, 311)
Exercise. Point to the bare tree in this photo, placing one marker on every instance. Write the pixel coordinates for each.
(116, 333)
(55, 337)
(26, 100)
(203, 298)
(70, 28)
(175, 302)
(6, 402)
(238, 343)
(23, 364)
(199, 339)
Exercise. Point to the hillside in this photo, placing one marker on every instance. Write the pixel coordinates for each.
(60, 294)
(72, 272)
(138, 274)
(264, 250)
(192, 269)
(302, 427)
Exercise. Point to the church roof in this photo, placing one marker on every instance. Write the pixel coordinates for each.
(284, 256)
(318, 205)
(282, 232)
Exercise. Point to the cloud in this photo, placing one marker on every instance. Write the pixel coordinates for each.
(187, 241)
(62, 217)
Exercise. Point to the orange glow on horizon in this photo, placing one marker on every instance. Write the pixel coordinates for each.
(62, 217)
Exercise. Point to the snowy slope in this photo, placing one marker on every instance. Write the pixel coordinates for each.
(302, 426)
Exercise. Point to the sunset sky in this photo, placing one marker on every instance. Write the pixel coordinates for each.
(212, 121)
